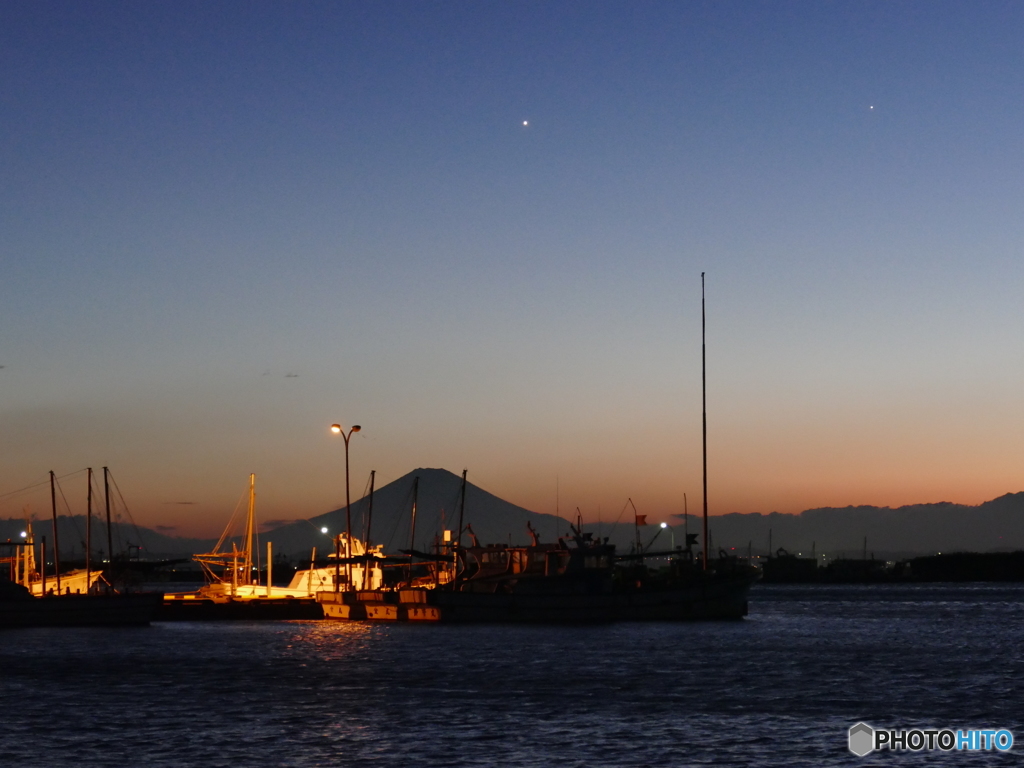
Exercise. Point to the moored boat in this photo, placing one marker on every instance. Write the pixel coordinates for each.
(18, 608)
(578, 580)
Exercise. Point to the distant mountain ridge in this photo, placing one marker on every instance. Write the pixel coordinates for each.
(913, 529)
(492, 519)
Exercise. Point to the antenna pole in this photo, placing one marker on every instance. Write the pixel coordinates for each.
(366, 544)
(462, 508)
(704, 411)
(88, 535)
(457, 544)
(412, 523)
(110, 538)
(56, 545)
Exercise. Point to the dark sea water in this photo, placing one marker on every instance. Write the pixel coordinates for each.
(780, 688)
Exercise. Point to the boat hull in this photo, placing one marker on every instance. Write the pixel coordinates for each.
(196, 608)
(132, 609)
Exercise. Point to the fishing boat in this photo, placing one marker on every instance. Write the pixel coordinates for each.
(19, 608)
(31, 597)
(580, 579)
(233, 589)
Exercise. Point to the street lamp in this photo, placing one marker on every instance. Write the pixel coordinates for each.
(336, 429)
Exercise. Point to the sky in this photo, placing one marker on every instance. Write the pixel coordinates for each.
(477, 229)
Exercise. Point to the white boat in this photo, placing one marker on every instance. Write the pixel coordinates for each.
(232, 576)
(25, 573)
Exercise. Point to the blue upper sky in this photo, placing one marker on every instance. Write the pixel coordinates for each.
(478, 230)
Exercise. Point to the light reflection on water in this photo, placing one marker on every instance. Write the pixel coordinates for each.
(779, 688)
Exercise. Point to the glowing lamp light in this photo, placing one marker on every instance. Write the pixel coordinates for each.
(24, 534)
(323, 530)
(335, 428)
(664, 525)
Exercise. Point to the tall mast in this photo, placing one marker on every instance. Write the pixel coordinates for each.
(462, 509)
(110, 538)
(704, 412)
(88, 534)
(56, 545)
(366, 544)
(412, 524)
(458, 534)
(249, 525)
(415, 499)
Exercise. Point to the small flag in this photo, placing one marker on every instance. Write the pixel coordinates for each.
(641, 519)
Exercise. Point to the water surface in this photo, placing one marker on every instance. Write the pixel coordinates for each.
(779, 688)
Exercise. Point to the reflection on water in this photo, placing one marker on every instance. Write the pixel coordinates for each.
(779, 688)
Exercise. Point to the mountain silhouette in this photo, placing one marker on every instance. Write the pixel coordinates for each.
(492, 519)
(996, 525)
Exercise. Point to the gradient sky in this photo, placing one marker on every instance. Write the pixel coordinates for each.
(224, 226)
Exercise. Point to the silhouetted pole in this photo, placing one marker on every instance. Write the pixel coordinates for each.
(462, 509)
(366, 544)
(270, 566)
(106, 502)
(412, 524)
(704, 412)
(56, 541)
(88, 535)
(336, 429)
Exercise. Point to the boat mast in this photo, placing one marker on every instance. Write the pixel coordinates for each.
(704, 411)
(56, 545)
(88, 534)
(458, 535)
(412, 524)
(42, 565)
(249, 525)
(106, 501)
(462, 509)
(366, 543)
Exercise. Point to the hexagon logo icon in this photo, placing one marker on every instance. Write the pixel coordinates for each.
(862, 739)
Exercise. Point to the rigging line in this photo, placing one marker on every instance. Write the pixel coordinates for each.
(11, 494)
(127, 511)
(362, 506)
(232, 521)
(26, 488)
(70, 516)
(398, 518)
(41, 482)
(440, 513)
(628, 502)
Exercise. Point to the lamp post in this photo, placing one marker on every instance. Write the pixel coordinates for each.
(337, 429)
